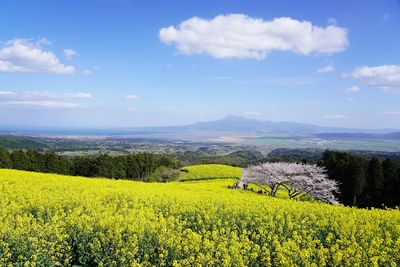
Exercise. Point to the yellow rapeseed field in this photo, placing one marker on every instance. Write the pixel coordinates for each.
(211, 171)
(54, 220)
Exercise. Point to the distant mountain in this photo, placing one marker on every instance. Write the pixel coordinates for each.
(227, 125)
(238, 124)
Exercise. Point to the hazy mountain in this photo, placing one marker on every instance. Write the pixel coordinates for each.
(227, 125)
(237, 124)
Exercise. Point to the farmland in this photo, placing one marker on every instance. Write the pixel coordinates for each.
(48, 219)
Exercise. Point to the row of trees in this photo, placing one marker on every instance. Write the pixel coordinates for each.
(296, 179)
(133, 166)
(364, 182)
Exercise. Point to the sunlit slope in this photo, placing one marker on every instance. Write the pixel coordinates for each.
(51, 219)
(211, 171)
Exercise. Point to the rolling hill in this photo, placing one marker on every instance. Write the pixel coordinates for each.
(55, 220)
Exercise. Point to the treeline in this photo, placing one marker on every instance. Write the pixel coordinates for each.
(364, 182)
(138, 166)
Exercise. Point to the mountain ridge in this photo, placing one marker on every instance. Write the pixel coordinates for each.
(243, 124)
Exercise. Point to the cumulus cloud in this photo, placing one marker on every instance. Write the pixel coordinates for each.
(385, 77)
(131, 97)
(243, 37)
(41, 99)
(22, 55)
(69, 53)
(352, 89)
(335, 116)
(326, 69)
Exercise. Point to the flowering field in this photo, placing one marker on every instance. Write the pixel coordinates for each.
(211, 171)
(48, 220)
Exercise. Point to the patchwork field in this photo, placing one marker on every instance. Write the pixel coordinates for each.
(271, 143)
(50, 220)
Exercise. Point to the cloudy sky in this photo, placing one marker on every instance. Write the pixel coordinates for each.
(125, 64)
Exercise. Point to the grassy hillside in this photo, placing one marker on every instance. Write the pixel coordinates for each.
(50, 219)
(211, 171)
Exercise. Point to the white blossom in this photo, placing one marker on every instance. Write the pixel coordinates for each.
(297, 179)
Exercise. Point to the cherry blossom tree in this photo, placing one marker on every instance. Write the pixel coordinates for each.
(297, 179)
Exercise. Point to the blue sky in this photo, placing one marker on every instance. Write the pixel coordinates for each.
(129, 63)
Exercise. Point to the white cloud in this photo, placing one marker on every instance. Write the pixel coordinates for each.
(7, 93)
(69, 53)
(352, 89)
(78, 95)
(86, 72)
(252, 113)
(131, 97)
(335, 116)
(41, 104)
(22, 55)
(326, 69)
(280, 81)
(392, 112)
(240, 36)
(41, 95)
(332, 21)
(41, 99)
(385, 77)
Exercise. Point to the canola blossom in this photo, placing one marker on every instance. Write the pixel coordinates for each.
(55, 220)
(211, 171)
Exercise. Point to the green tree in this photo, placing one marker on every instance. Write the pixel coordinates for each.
(35, 161)
(120, 167)
(85, 166)
(105, 166)
(5, 160)
(132, 167)
(19, 160)
(357, 176)
(375, 183)
(337, 166)
(391, 182)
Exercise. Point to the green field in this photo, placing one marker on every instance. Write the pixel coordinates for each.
(211, 171)
(341, 144)
(54, 220)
